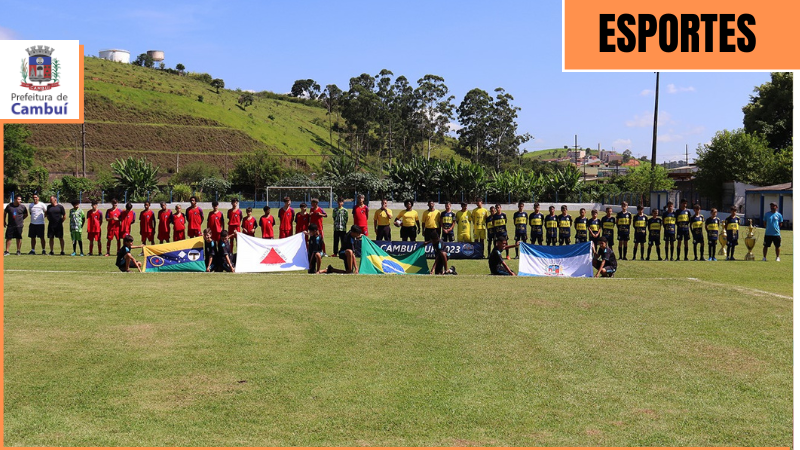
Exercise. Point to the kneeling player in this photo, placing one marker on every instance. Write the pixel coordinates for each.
(606, 262)
(496, 264)
(346, 253)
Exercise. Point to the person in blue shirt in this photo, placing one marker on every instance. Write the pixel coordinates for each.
(773, 220)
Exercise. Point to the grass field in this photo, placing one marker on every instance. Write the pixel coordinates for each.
(669, 353)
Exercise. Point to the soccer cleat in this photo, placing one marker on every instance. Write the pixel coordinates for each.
(453, 270)
(44, 252)
(108, 254)
(778, 259)
(82, 254)
(659, 258)
(764, 258)
(685, 258)
(63, 254)
(73, 254)
(18, 253)
(634, 259)
(51, 253)
(6, 253)
(32, 252)
(329, 269)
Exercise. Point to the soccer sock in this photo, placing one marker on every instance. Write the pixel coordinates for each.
(73, 246)
(702, 247)
(679, 250)
(649, 250)
(658, 251)
(695, 251)
(80, 245)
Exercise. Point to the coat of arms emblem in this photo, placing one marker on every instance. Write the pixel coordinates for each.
(40, 68)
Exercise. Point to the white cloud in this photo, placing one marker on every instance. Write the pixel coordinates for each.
(454, 127)
(646, 92)
(672, 89)
(646, 120)
(670, 137)
(7, 34)
(622, 143)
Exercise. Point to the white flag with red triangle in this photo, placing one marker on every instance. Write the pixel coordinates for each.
(271, 255)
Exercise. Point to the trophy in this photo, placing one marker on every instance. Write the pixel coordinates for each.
(750, 242)
(723, 243)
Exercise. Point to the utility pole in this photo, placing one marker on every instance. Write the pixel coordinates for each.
(83, 145)
(655, 125)
(575, 151)
(687, 154)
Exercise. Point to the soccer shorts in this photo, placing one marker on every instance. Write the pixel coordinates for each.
(639, 238)
(610, 239)
(93, 236)
(464, 238)
(580, 239)
(429, 233)
(232, 228)
(551, 240)
(536, 238)
(162, 235)
(733, 242)
(55, 230)
(655, 239)
(521, 237)
(669, 238)
(683, 235)
(500, 270)
(364, 230)
(623, 237)
(384, 233)
(610, 270)
(408, 233)
(768, 240)
(448, 236)
(179, 235)
(480, 235)
(283, 233)
(563, 240)
(697, 238)
(36, 230)
(196, 232)
(215, 235)
(16, 233)
(147, 236)
(498, 236)
(76, 236)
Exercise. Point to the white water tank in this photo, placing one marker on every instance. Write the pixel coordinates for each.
(157, 55)
(116, 54)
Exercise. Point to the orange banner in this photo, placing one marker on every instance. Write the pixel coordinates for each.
(679, 35)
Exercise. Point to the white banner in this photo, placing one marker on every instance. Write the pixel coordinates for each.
(271, 255)
(562, 261)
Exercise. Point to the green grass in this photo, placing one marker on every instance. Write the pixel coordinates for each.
(669, 353)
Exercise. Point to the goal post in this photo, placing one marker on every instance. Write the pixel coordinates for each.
(300, 193)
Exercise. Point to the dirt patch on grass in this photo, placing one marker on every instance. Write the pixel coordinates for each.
(725, 359)
(647, 413)
(187, 390)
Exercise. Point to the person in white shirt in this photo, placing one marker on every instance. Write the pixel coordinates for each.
(37, 210)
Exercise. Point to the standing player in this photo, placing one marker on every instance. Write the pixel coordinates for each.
(216, 222)
(536, 221)
(431, 222)
(607, 223)
(773, 220)
(409, 223)
(94, 226)
(126, 220)
(178, 222)
(340, 217)
(361, 215)
(594, 229)
(581, 229)
(490, 228)
(76, 220)
(520, 226)
(195, 216)
(249, 223)
(13, 219)
(479, 216)
(301, 219)
(669, 232)
(234, 221)
(655, 225)
(639, 231)
(499, 225)
(267, 222)
(732, 232)
(56, 215)
(448, 223)
(464, 221)
(624, 230)
(147, 224)
(286, 219)
(551, 227)
(697, 224)
(315, 216)
(163, 223)
(113, 226)
(564, 226)
(712, 231)
(682, 218)
(383, 222)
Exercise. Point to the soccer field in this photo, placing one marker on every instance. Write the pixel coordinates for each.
(669, 353)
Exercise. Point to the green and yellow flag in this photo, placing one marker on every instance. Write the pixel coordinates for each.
(375, 261)
(179, 256)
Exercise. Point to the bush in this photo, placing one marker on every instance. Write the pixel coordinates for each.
(181, 193)
(72, 187)
(200, 98)
(204, 77)
(194, 172)
(214, 187)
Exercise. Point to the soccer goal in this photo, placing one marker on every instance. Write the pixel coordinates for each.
(275, 195)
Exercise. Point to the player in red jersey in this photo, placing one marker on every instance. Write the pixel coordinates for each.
(112, 218)
(163, 223)
(94, 223)
(126, 220)
(194, 216)
(178, 221)
(216, 222)
(361, 215)
(302, 219)
(266, 223)
(249, 223)
(234, 221)
(147, 224)
(286, 218)
(315, 216)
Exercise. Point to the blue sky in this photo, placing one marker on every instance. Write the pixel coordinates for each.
(511, 44)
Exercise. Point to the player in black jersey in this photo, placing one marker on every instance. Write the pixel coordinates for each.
(713, 225)
(682, 218)
(520, 226)
(594, 229)
(732, 232)
(607, 223)
(448, 223)
(623, 230)
(536, 221)
(499, 225)
(581, 228)
(605, 262)
(654, 226)
(696, 224)
(564, 226)
(639, 231)
(669, 232)
(551, 227)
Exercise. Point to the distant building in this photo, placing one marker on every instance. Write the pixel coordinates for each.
(576, 154)
(758, 199)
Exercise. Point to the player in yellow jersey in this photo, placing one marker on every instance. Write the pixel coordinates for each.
(431, 222)
(479, 216)
(408, 221)
(464, 223)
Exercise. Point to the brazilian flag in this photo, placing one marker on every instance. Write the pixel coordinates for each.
(375, 261)
(180, 256)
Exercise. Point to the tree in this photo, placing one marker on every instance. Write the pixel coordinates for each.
(436, 108)
(137, 176)
(218, 83)
(144, 60)
(306, 89)
(161, 66)
(770, 111)
(180, 68)
(246, 99)
(503, 137)
(626, 156)
(359, 107)
(645, 177)
(256, 170)
(474, 114)
(17, 153)
(331, 97)
(735, 156)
